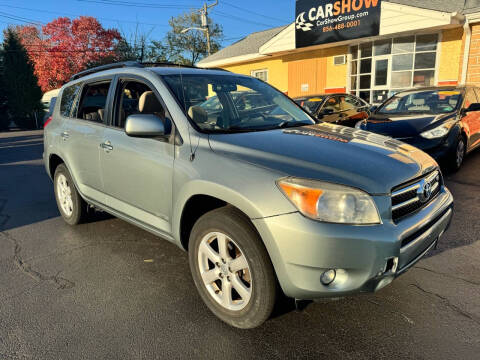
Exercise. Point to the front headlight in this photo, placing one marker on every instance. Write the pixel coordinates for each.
(329, 202)
(437, 132)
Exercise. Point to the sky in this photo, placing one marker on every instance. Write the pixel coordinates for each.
(238, 17)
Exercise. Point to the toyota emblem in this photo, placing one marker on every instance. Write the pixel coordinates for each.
(425, 192)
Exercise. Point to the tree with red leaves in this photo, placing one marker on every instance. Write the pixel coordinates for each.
(64, 47)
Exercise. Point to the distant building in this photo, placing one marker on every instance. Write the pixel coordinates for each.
(344, 46)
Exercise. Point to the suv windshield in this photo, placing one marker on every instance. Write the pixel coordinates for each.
(230, 103)
(422, 102)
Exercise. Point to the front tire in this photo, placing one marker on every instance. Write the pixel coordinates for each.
(458, 154)
(70, 204)
(231, 268)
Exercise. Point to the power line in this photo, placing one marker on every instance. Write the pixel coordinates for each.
(243, 20)
(142, 5)
(77, 15)
(116, 2)
(254, 13)
(20, 18)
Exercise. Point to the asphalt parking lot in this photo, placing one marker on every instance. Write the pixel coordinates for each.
(108, 290)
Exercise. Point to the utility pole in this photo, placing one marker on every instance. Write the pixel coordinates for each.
(205, 25)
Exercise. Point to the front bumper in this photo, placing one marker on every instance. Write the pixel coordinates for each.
(302, 249)
(439, 149)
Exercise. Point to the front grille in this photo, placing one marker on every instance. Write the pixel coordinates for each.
(416, 194)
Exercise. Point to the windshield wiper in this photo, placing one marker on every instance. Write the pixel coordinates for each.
(291, 124)
(283, 125)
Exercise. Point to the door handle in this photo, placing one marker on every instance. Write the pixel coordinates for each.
(65, 135)
(107, 146)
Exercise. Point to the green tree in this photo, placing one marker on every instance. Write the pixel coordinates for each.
(190, 47)
(160, 51)
(19, 83)
(4, 120)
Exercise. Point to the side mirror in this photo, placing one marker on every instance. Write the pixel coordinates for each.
(147, 125)
(473, 107)
(373, 108)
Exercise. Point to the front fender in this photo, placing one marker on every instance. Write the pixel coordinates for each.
(215, 190)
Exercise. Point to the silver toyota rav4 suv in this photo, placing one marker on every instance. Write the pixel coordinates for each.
(266, 200)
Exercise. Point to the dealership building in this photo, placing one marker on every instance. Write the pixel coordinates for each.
(369, 48)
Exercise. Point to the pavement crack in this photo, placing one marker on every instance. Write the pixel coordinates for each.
(448, 303)
(57, 280)
(405, 317)
(448, 275)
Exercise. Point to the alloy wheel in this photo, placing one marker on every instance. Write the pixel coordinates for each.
(64, 193)
(225, 271)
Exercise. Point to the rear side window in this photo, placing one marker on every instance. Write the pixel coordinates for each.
(94, 101)
(53, 101)
(69, 97)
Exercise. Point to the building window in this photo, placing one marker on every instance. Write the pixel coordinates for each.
(379, 69)
(261, 74)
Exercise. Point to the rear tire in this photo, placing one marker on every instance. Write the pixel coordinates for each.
(70, 204)
(226, 254)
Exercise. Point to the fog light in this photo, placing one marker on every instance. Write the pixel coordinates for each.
(328, 277)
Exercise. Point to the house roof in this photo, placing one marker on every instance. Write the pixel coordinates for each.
(253, 42)
(460, 6)
(248, 45)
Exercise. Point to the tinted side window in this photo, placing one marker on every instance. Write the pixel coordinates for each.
(53, 101)
(94, 101)
(69, 97)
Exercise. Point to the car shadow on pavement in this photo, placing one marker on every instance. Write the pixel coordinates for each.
(26, 191)
(20, 149)
(465, 187)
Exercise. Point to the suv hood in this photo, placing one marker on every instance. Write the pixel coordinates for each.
(329, 152)
(400, 126)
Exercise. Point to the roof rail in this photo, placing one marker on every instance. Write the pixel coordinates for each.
(132, 64)
(165, 64)
(170, 64)
(105, 67)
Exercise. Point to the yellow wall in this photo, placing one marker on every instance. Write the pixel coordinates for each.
(288, 72)
(450, 56)
(277, 71)
(306, 69)
(316, 68)
(336, 74)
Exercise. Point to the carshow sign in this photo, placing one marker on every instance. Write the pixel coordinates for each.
(327, 21)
